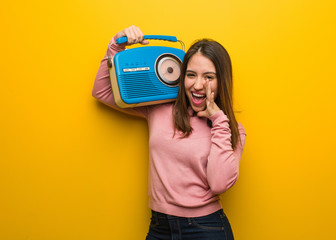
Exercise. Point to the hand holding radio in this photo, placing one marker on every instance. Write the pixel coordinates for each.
(211, 106)
(134, 35)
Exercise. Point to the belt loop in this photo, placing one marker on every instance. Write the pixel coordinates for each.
(221, 213)
(189, 221)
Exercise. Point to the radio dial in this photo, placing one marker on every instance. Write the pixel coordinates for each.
(168, 69)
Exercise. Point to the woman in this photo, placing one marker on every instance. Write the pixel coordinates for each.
(195, 144)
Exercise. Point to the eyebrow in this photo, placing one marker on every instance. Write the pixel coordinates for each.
(203, 73)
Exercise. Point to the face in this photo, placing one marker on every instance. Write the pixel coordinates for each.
(200, 69)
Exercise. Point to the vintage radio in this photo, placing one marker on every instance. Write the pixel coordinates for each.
(146, 75)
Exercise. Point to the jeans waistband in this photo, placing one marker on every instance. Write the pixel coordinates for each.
(167, 216)
(163, 215)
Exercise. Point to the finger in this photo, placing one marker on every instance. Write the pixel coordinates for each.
(145, 42)
(134, 35)
(212, 97)
(130, 34)
(131, 37)
(208, 90)
(139, 34)
(140, 37)
(121, 34)
(211, 93)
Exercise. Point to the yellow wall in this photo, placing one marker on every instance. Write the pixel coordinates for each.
(72, 168)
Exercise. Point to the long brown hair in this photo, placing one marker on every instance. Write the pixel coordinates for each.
(221, 59)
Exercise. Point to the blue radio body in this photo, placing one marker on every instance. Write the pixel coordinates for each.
(145, 75)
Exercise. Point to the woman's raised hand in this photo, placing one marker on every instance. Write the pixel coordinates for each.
(211, 106)
(134, 35)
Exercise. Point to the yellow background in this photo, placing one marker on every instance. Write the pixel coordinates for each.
(71, 168)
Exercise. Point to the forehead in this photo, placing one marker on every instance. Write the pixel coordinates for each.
(200, 64)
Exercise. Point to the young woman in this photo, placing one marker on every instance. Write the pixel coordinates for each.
(195, 144)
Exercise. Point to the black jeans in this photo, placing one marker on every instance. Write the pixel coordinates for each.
(214, 226)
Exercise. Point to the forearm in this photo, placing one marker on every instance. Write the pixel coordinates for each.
(102, 89)
(223, 161)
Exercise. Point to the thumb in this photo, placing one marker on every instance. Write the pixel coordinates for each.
(144, 42)
(202, 114)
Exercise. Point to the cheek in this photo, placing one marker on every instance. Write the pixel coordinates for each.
(187, 83)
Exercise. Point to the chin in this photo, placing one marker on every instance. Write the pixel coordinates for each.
(197, 108)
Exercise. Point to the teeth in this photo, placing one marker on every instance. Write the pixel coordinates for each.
(198, 95)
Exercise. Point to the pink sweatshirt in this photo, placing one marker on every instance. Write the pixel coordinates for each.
(186, 175)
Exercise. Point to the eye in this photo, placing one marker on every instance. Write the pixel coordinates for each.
(209, 77)
(190, 75)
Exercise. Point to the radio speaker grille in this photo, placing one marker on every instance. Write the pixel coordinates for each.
(143, 85)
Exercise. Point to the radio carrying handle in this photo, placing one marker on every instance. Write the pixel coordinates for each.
(154, 37)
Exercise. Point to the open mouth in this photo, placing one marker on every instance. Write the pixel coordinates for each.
(197, 98)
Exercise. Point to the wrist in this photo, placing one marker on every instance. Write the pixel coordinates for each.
(217, 115)
(115, 46)
(214, 111)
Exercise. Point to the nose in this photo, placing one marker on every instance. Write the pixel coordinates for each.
(199, 83)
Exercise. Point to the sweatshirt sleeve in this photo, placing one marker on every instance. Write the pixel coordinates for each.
(223, 161)
(102, 89)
